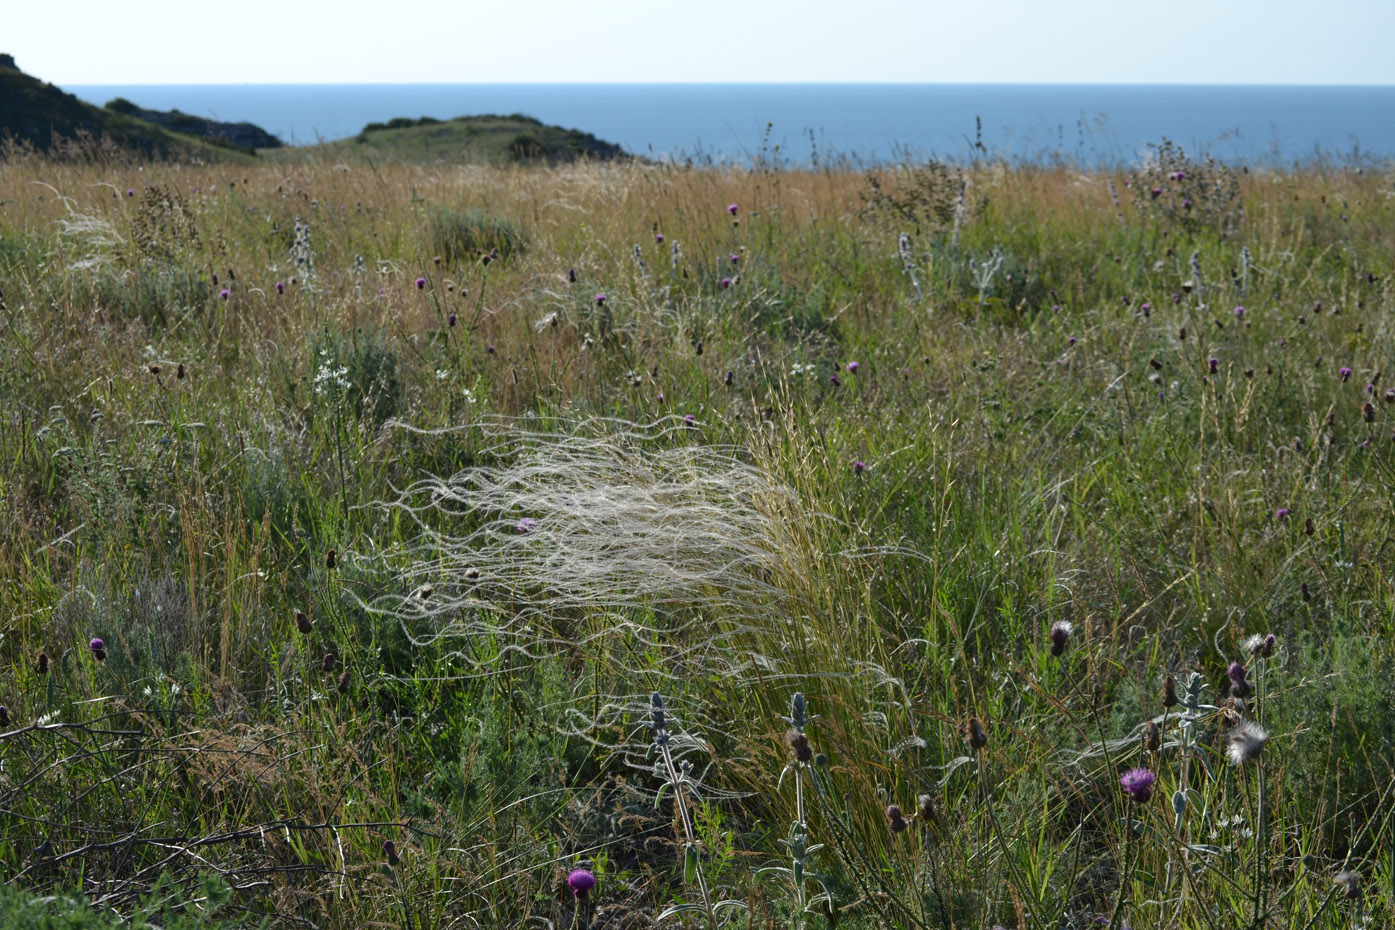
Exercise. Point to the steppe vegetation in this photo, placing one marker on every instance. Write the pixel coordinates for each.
(931, 546)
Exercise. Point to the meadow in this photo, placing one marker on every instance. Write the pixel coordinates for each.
(929, 546)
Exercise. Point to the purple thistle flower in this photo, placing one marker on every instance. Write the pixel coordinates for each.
(1239, 684)
(834, 380)
(452, 320)
(1138, 784)
(735, 257)
(859, 467)
(1186, 204)
(1156, 192)
(724, 283)
(851, 368)
(99, 649)
(581, 881)
(1344, 373)
(1239, 312)
(571, 275)
(1214, 364)
(658, 237)
(1060, 636)
(130, 192)
(600, 300)
(421, 283)
(1070, 341)
(280, 287)
(732, 209)
(1282, 514)
(689, 420)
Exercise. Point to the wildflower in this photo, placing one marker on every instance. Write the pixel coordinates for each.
(303, 623)
(658, 237)
(390, 850)
(1214, 364)
(328, 663)
(452, 320)
(1186, 204)
(1282, 514)
(421, 283)
(896, 819)
(130, 192)
(1138, 784)
(1350, 882)
(734, 257)
(732, 209)
(1246, 741)
(975, 733)
(799, 745)
(1156, 192)
(724, 283)
(1070, 341)
(225, 293)
(1368, 412)
(1239, 684)
(689, 420)
(834, 380)
(1344, 373)
(1060, 636)
(280, 287)
(1239, 313)
(600, 300)
(859, 467)
(581, 881)
(343, 684)
(851, 368)
(1169, 692)
(42, 663)
(1257, 645)
(526, 525)
(4, 716)
(99, 648)
(729, 377)
(1152, 736)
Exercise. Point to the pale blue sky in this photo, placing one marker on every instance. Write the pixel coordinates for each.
(449, 41)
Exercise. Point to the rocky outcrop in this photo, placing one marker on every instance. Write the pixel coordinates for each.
(241, 135)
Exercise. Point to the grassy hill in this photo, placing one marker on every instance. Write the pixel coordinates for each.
(493, 140)
(44, 116)
(246, 136)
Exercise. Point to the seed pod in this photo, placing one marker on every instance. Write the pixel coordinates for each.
(1169, 692)
(343, 686)
(303, 623)
(331, 559)
(1152, 737)
(976, 735)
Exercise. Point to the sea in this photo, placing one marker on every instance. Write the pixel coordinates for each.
(1090, 125)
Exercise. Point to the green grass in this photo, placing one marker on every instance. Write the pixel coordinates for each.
(530, 538)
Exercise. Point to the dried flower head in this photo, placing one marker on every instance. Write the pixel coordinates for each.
(1260, 645)
(581, 881)
(1169, 692)
(42, 663)
(1138, 784)
(1152, 736)
(1245, 742)
(925, 809)
(895, 818)
(859, 467)
(390, 851)
(4, 716)
(799, 746)
(303, 624)
(976, 735)
(1349, 882)
(342, 686)
(1060, 636)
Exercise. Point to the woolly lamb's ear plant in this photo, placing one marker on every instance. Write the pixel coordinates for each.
(678, 778)
(798, 840)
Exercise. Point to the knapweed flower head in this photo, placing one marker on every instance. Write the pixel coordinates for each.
(734, 257)
(1282, 514)
(859, 467)
(280, 287)
(1060, 636)
(1245, 742)
(733, 209)
(99, 648)
(1260, 645)
(421, 283)
(1239, 312)
(689, 420)
(1214, 364)
(581, 881)
(1344, 373)
(225, 293)
(1138, 784)
(600, 300)
(896, 818)
(724, 283)
(851, 368)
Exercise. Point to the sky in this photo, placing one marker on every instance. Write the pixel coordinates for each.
(70, 42)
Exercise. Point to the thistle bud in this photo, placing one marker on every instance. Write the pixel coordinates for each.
(1152, 737)
(42, 663)
(390, 850)
(331, 559)
(896, 819)
(1060, 636)
(925, 809)
(1169, 692)
(343, 686)
(976, 735)
(303, 623)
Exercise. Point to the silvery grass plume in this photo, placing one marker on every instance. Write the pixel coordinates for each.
(610, 530)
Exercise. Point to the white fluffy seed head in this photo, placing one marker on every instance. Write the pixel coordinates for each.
(1245, 742)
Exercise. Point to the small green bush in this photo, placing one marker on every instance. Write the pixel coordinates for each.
(463, 235)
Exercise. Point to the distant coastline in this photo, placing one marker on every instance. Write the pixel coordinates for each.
(864, 123)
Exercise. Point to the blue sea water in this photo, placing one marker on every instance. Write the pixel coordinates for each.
(866, 123)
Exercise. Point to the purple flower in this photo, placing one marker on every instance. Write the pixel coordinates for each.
(130, 192)
(1060, 636)
(581, 881)
(421, 283)
(225, 293)
(1145, 307)
(658, 237)
(859, 467)
(571, 275)
(1186, 204)
(1070, 341)
(600, 300)
(1344, 373)
(724, 283)
(1156, 192)
(452, 320)
(689, 420)
(735, 258)
(732, 209)
(834, 380)
(280, 287)
(1239, 312)
(96, 643)
(852, 368)
(1177, 175)
(1214, 364)
(1281, 514)
(526, 525)
(1239, 685)
(1138, 784)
